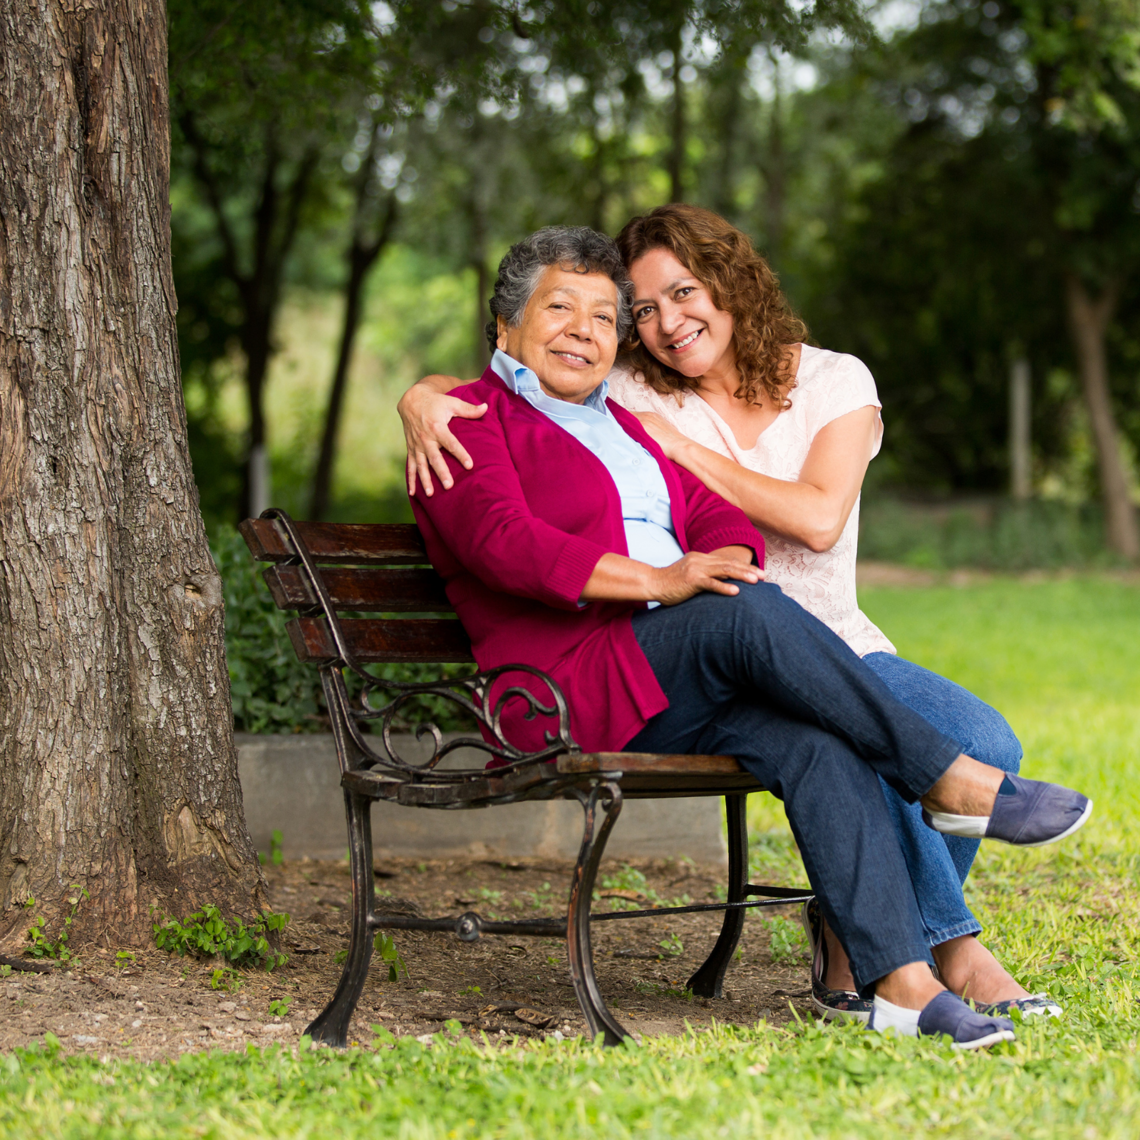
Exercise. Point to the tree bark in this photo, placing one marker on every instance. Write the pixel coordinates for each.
(1089, 318)
(118, 770)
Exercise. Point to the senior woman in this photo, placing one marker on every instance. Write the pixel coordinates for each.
(720, 377)
(575, 545)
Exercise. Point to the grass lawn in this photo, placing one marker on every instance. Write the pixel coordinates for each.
(1062, 660)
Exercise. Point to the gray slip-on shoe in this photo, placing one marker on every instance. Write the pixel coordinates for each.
(1026, 813)
(947, 1015)
(1035, 1005)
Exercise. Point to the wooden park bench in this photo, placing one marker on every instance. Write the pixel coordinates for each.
(321, 572)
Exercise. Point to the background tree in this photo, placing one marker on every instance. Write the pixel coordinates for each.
(117, 765)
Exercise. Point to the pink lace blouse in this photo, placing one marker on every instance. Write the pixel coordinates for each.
(828, 385)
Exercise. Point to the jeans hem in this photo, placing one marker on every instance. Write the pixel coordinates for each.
(880, 967)
(973, 926)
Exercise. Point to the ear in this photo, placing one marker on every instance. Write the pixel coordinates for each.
(501, 338)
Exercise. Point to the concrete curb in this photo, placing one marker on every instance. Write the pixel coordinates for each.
(291, 784)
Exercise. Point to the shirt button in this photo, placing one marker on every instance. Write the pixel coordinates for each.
(637, 463)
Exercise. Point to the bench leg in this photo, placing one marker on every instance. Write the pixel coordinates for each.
(709, 979)
(594, 837)
(331, 1027)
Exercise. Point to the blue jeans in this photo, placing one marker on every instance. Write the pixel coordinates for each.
(755, 676)
(939, 864)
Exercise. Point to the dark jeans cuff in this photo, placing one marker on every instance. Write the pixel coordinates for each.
(882, 965)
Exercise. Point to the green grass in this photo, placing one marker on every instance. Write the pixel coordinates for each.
(1062, 660)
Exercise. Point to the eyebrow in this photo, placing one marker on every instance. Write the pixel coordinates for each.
(598, 300)
(668, 289)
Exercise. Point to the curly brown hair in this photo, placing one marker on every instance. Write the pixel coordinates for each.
(741, 283)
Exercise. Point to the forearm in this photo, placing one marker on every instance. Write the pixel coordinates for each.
(802, 512)
(619, 579)
(616, 578)
(437, 382)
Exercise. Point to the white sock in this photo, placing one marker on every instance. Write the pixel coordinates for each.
(885, 1015)
(967, 826)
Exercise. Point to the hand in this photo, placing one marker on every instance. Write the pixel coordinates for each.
(696, 572)
(425, 414)
(664, 434)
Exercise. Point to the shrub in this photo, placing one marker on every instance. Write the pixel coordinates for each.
(206, 934)
(271, 690)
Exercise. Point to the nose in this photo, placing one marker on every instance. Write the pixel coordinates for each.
(669, 317)
(579, 325)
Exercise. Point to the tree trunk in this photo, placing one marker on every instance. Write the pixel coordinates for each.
(361, 256)
(1020, 440)
(775, 175)
(677, 125)
(1088, 322)
(117, 763)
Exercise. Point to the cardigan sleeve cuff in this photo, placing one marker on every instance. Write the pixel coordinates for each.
(572, 569)
(731, 536)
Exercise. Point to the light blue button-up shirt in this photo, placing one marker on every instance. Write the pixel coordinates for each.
(649, 532)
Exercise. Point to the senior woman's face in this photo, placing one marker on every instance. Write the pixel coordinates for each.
(568, 334)
(676, 318)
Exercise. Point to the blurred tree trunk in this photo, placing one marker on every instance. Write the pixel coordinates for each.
(676, 167)
(273, 223)
(118, 770)
(774, 166)
(360, 256)
(1089, 318)
(727, 101)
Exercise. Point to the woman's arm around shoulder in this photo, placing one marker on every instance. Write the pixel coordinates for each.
(425, 411)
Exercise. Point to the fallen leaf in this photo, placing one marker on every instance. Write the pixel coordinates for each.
(534, 1017)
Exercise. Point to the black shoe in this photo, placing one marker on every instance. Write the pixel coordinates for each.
(842, 1005)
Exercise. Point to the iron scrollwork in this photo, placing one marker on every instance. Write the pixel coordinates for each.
(474, 694)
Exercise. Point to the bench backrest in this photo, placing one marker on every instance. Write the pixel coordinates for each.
(365, 569)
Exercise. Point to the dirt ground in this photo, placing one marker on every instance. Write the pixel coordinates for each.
(158, 1005)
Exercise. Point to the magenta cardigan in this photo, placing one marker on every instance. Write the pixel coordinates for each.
(515, 541)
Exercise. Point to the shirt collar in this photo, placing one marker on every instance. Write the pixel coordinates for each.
(523, 382)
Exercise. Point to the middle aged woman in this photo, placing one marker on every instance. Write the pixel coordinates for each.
(721, 378)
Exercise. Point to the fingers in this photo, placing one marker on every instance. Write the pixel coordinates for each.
(410, 474)
(438, 464)
(449, 443)
(467, 411)
(423, 470)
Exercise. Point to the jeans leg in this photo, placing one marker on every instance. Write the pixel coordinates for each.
(837, 812)
(762, 644)
(939, 864)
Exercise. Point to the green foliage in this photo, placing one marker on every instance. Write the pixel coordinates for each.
(385, 945)
(998, 535)
(226, 978)
(276, 854)
(271, 690)
(206, 934)
(786, 939)
(279, 1007)
(44, 947)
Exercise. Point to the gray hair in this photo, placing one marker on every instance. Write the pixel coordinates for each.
(572, 247)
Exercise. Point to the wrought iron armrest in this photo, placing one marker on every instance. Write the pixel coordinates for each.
(474, 694)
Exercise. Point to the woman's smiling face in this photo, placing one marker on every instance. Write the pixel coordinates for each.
(676, 318)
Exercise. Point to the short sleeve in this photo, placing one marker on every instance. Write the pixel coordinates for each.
(845, 384)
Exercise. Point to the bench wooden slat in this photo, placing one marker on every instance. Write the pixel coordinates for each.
(365, 544)
(428, 640)
(642, 776)
(353, 588)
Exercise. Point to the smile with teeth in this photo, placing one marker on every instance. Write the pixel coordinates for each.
(571, 357)
(676, 346)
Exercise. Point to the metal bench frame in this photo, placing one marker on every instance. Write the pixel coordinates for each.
(320, 571)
